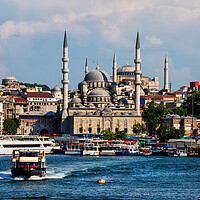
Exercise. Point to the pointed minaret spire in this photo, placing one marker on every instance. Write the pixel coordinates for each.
(65, 45)
(114, 68)
(137, 75)
(65, 82)
(166, 83)
(138, 40)
(86, 67)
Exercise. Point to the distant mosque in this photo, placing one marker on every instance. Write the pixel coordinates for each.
(97, 106)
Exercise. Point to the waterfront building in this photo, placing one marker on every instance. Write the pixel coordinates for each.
(37, 122)
(188, 123)
(97, 106)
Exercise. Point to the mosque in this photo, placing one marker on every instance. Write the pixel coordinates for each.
(97, 105)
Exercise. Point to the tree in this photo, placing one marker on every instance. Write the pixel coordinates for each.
(139, 128)
(122, 82)
(10, 126)
(30, 85)
(152, 115)
(177, 110)
(113, 135)
(192, 103)
(171, 133)
(146, 91)
(162, 91)
(120, 135)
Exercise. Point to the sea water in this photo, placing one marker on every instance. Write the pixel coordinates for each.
(75, 177)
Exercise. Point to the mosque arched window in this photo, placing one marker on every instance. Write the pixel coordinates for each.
(125, 122)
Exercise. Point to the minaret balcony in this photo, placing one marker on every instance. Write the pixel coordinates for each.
(137, 61)
(65, 59)
(137, 82)
(65, 81)
(65, 70)
(137, 72)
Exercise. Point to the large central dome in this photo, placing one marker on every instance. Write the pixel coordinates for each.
(98, 75)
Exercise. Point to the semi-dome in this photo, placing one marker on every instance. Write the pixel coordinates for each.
(97, 75)
(56, 89)
(76, 100)
(99, 92)
(107, 110)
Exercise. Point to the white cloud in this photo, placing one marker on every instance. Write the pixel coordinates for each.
(153, 40)
(11, 28)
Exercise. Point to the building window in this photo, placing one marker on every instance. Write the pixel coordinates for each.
(80, 130)
(98, 122)
(125, 130)
(81, 121)
(90, 122)
(98, 130)
(125, 122)
(90, 130)
(116, 129)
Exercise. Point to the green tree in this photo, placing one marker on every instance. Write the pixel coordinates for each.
(152, 115)
(177, 110)
(170, 132)
(108, 134)
(30, 85)
(146, 91)
(192, 103)
(139, 128)
(113, 135)
(120, 135)
(10, 126)
(161, 91)
(122, 83)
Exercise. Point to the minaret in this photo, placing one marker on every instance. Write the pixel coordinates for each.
(137, 75)
(166, 83)
(86, 67)
(114, 69)
(65, 83)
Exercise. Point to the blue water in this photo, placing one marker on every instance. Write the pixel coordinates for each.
(75, 177)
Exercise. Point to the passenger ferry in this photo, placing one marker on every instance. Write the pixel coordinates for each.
(109, 150)
(27, 163)
(73, 149)
(90, 150)
(8, 143)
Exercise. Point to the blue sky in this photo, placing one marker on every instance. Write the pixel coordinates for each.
(31, 38)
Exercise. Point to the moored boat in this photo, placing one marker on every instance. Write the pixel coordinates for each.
(8, 143)
(91, 150)
(28, 162)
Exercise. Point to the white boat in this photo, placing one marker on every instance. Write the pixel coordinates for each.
(8, 143)
(109, 150)
(91, 150)
(73, 149)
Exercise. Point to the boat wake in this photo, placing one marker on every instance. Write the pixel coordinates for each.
(6, 175)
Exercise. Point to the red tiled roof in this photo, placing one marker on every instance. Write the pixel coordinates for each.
(177, 92)
(38, 95)
(18, 99)
(160, 96)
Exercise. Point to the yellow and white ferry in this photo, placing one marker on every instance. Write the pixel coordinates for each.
(28, 162)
